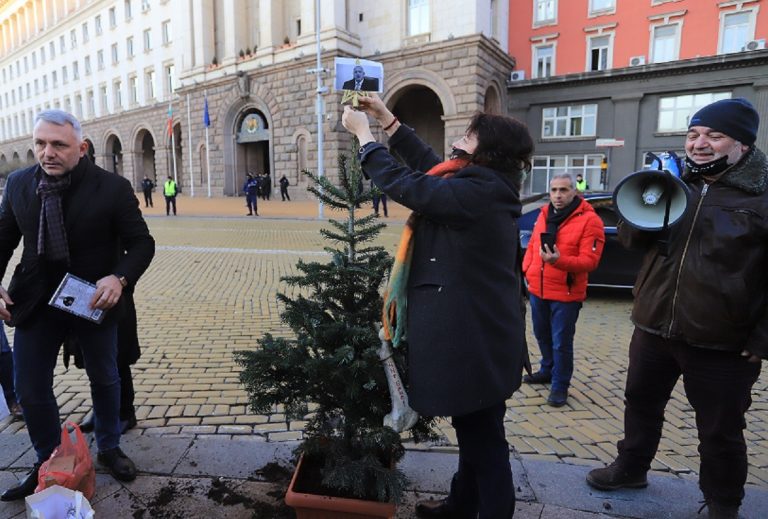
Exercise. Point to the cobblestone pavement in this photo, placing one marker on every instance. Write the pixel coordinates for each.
(211, 291)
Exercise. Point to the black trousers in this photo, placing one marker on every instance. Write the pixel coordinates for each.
(170, 201)
(148, 198)
(127, 394)
(483, 484)
(718, 386)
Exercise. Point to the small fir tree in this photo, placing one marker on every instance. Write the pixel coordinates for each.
(332, 363)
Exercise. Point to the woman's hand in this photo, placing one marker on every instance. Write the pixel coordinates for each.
(373, 105)
(356, 122)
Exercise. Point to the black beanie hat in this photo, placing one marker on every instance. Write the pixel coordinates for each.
(736, 118)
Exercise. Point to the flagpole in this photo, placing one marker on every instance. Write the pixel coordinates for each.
(189, 139)
(320, 89)
(207, 147)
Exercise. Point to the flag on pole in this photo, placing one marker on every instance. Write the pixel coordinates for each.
(170, 120)
(206, 117)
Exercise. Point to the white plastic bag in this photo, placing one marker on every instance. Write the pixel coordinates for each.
(57, 502)
(3, 407)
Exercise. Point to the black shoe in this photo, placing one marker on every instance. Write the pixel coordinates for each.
(614, 477)
(721, 511)
(88, 424)
(119, 465)
(127, 425)
(557, 398)
(16, 411)
(538, 378)
(437, 508)
(23, 489)
(249, 214)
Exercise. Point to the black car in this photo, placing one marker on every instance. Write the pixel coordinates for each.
(618, 266)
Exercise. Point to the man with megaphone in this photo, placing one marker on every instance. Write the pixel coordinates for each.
(701, 309)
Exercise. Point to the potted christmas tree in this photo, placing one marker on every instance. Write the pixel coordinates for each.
(333, 365)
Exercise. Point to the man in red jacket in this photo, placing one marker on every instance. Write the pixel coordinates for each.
(566, 244)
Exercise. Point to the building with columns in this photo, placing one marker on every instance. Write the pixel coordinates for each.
(250, 59)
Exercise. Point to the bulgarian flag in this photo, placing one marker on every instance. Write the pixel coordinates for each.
(170, 120)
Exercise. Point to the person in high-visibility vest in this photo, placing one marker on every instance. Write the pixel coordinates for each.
(581, 184)
(169, 190)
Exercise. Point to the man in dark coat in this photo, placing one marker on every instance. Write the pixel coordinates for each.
(701, 310)
(361, 82)
(76, 218)
(146, 187)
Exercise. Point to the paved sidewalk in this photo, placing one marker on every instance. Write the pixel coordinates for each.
(212, 289)
(243, 478)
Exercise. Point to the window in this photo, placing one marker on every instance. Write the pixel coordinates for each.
(602, 6)
(75, 71)
(665, 43)
(104, 100)
(85, 32)
(149, 84)
(418, 17)
(114, 53)
(544, 11)
(51, 50)
(42, 54)
(117, 94)
(129, 47)
(72, 39)
(100, 60)
(599, 51)
(166, 27)
(112, 18)
(543, 60)
(87, 65)
(547, 166)
(64, 78)
(169, 77)
(68, 104)
(79, 106)
(90, 103)
(675, 111)
(147, 40)
(144, 6)
(54, 81)
(133, 90)
(37, 87)
(128, 11)
(34, 59)
(62, 44)
(736, 30)
(97, 25)
(569, 121)
(45, 85)
(26, 64)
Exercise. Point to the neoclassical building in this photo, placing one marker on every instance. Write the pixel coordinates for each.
(254, 62)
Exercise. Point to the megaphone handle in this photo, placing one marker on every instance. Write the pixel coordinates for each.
(664, 243)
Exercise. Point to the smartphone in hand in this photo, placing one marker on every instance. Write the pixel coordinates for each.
(548, 239)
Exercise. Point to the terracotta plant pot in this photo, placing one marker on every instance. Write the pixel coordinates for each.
(313, 506)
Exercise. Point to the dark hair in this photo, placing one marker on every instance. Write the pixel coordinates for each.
(503, 143)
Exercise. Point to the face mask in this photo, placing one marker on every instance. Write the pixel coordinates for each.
(709, 169)
(457, 153)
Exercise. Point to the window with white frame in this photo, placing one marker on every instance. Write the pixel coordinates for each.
(90, 103)
(665, 43)
(133, 89)
(113, 50)
(599, 53)
(543, 60)
(117, 94)
(676, 111)
(418, 17)
(569, 121)
(547, 166)
(112, 18)
(602, 6)
(736, 29)
(127, 10)
(104, 98)
(149, 84)
(100, 59)
(147, 40)
(97, 25)
(129, 47)
(62, 44)
(54, 81)
(169, 79)
(86, 36)
(42, 54)
(167, 35)
(75, 71)
(78, 106)
(144, 6)
(73, 38)
(544, 11)
(51, 50)
(87, 65)
(64, 77)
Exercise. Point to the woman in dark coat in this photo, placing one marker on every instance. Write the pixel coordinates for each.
(456, 268)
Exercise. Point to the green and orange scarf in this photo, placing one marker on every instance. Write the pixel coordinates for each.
(395, 295)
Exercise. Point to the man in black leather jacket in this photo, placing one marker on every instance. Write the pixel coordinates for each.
(701, 310)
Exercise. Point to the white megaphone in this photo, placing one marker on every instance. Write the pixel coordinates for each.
(651, 200)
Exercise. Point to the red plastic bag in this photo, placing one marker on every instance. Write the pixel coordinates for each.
(70, 465)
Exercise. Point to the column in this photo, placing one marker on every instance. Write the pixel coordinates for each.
(203, 24)
(234, 24)
(266, 26)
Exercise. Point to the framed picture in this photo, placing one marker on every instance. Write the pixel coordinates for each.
(359, 75)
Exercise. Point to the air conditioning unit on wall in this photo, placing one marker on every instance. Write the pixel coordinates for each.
(636, 61)
(517, 75)
(755, 45)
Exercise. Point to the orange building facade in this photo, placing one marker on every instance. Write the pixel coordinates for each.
(556, 37)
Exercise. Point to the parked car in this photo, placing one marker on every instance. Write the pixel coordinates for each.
(618, 266)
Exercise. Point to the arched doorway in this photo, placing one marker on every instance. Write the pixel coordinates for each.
(492, 103)
(144, 150)
(30, 157)
(252, 151)
(91, 151)
(420, 108)
(114, 155)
